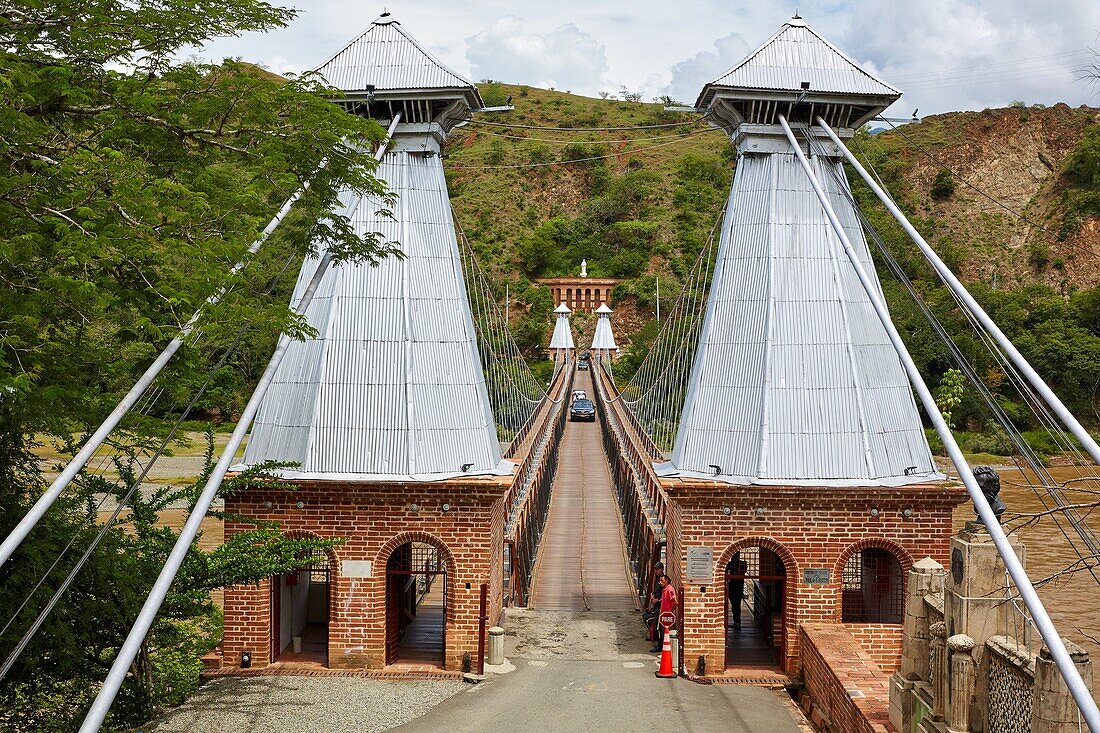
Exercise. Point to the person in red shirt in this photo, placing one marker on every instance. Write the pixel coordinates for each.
(669, 604)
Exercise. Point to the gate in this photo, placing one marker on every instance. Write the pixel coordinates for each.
(411, 573)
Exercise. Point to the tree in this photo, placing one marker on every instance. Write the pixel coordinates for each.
(129, 183)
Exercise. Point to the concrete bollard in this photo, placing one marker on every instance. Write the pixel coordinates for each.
(496, 645)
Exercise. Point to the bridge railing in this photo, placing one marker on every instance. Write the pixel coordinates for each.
(640, 497)
(527, 503)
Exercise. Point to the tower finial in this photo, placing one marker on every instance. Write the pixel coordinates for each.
(796, 15)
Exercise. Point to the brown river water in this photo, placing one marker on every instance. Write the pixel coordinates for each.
(1073, 600)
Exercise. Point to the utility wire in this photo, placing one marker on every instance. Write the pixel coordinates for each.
(587, 129)
(584, 160)
(120, 505)
(964, 364)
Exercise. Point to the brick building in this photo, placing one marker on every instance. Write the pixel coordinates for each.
(584, 294)
(385, 415)
(801, 487)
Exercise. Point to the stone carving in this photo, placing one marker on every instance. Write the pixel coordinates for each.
(584, 268)
(990, 484)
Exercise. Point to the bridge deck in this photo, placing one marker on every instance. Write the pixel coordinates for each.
(581, 563)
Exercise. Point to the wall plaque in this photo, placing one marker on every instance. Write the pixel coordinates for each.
(815, 576)
(356, 568)
(700, 565)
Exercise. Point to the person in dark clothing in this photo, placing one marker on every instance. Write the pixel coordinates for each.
(653, 601)
(737, 588)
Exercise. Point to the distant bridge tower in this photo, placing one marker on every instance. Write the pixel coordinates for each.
(561, 343)
(800, 461)
(385, 411)
(603, 341)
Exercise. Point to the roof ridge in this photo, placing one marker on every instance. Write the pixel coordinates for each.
(426, 52)
(847, 58)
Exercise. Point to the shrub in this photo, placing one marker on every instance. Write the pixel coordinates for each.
(943, 186)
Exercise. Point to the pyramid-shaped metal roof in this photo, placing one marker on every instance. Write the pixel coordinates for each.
(797, 54)
(387, 58)
(392, 386)
(563, 334)
(795, 380)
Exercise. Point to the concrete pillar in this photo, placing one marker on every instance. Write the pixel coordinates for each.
(1053, 709)
(925, 578)
(938, 668)
(962, 683)
(974, 598)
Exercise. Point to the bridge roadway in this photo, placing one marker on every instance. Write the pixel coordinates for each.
(581, 563)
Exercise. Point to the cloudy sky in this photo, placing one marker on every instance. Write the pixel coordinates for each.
(945, 54)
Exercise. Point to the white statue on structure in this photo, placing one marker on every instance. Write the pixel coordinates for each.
(584, 268)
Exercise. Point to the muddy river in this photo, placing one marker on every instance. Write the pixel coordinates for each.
(1072, 600)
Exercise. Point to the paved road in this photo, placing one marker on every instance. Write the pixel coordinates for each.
(590, 671)
(581, 563)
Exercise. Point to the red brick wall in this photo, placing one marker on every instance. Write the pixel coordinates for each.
(881, 641)
(833, 663)
(808, 527)
(374, 520)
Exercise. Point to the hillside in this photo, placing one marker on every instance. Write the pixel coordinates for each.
(645, 209)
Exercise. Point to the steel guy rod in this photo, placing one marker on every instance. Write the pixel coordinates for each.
(1057, 647)
(130, 648)
(960, 290)
(27, 523)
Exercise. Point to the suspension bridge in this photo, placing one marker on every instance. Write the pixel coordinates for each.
(769, 450)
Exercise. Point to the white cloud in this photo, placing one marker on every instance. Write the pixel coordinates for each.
(689, 76)
(565, 58)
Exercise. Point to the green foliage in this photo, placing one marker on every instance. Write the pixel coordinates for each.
(949, 393)
(493, 94)
(129, 184)
(943, 186)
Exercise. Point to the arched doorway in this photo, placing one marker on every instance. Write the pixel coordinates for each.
(873, 589)
(300, 603)
(416, 605)
(756, 599)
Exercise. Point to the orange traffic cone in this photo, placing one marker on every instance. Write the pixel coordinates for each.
(666, 670)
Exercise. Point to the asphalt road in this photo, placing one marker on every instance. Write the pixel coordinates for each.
(571, 696)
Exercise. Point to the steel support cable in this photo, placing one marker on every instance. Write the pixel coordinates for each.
(655, 395)
(585, 142)
(494, 316)
(968, 184)
(144, 622)
(1037, 406)
(120, 505)
(1081, 693)
(38, 510)
(988, 400)
(671, 323)
(955, 285)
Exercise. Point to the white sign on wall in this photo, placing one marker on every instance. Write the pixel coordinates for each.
(700, 565)
(356, 568)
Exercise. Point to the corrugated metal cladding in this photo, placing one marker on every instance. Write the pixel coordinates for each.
(387, 57)
(794, 380)
(796, 54)
(392, 386)
(604, 337)
(563, 334)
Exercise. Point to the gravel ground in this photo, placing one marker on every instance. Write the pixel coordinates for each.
(293, 704)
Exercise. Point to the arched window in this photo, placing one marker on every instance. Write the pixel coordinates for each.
(874, 588)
